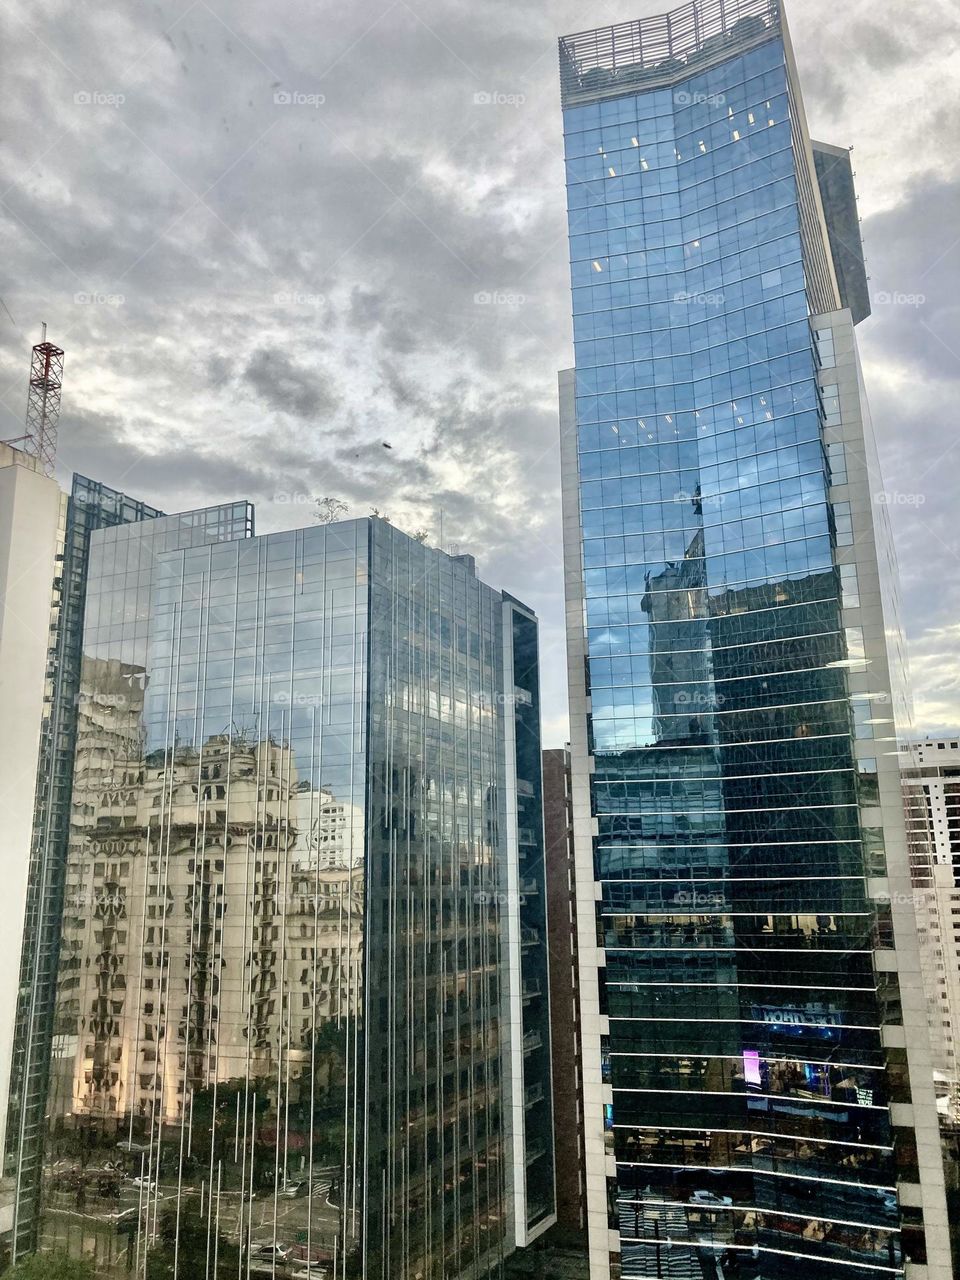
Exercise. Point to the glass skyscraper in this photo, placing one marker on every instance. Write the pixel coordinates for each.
(757, 1072)
(300, 1023)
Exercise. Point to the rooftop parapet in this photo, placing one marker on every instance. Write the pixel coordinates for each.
(651, 53)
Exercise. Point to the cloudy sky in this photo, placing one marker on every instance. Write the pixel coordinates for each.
(271, 237)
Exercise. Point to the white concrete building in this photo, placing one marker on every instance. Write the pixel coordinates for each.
(30, 514)
(932, 786)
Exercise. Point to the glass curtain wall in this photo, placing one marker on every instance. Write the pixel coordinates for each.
(748, 1121)
(435, 1197)
(278, 1043)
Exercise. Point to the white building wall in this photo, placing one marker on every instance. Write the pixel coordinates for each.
(599, 1164)
(29, 520)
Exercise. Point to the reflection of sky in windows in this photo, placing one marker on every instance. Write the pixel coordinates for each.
(699, 427)
(732, 909)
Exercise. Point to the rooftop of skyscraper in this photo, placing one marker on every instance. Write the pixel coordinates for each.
(650, 52)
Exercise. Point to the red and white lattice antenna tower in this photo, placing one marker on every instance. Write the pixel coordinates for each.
(43, 404)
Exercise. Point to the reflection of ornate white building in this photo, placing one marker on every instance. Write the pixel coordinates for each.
(329, 830)
(324, 944)
(207, 926)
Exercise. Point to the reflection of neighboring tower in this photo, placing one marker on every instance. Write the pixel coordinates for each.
(675, 602)
(105, 841)
(163, 990)
(324, 943)
(327, 828)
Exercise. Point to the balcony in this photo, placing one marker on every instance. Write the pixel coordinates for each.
(532, 1095)
(532, 1041)
(536, 1150)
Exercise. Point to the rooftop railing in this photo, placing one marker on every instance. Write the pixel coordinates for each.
(649, 53)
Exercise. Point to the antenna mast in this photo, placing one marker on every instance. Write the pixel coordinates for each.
(43, 404)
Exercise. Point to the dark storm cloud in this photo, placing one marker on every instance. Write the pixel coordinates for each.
(286, 387)
(268, 246)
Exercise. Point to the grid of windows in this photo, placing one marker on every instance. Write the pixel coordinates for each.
(749, 1119)
(281, 974)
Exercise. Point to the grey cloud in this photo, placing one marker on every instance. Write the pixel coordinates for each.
(287, 387)
(914, 260)
(383, 212)
(882, 47)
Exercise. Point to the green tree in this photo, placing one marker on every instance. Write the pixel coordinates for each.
(187, 1240)
(50, 1266)
(330, 509)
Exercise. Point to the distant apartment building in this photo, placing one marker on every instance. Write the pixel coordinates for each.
(564, 993)
(302, 980)
(932, 789)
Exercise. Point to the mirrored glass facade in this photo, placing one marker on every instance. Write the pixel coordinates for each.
(749, 1034)
(279, 1045)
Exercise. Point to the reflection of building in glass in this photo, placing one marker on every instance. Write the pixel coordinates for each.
(326, 828)
(758, 1087)
(306, 806)
(682, 697)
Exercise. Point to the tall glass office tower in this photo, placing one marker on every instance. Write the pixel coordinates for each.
(302, 957)
(757, 1072)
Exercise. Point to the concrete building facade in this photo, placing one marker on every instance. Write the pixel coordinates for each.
(30, 522)
(564, 993)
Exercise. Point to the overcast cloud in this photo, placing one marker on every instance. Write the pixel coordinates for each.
(272, 237)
